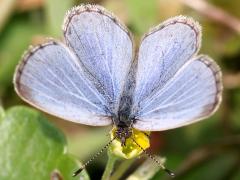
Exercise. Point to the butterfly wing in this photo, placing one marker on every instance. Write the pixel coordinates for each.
(80, 83)
(51, 78)
(193, 94)
(104, 48)
(174, 89)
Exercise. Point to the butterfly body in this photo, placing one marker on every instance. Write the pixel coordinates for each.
(123, 122)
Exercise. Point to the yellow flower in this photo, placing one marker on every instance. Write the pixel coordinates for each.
(131, 149)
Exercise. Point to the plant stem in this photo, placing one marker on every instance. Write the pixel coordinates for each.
(7, 6)
(122, 168)
(214, 13)
(109, 167)
(1, 111)
(146, 171)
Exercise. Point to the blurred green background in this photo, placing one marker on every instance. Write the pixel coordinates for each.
(206, 150)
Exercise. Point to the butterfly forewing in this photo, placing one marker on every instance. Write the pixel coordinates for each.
(104, 48)
(163, 51)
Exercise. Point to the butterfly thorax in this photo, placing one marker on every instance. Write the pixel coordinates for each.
(123, 125)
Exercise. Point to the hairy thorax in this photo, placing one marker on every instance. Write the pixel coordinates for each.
(123, 124)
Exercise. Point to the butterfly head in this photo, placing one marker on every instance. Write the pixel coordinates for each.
(123, 133)
(124, 143)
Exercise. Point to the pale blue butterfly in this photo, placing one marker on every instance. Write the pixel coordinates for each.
(95, 77)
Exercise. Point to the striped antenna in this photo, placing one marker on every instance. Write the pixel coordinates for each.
(169, 172)
(93, 157)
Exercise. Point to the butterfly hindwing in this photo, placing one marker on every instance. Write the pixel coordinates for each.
(194, 93)
(50, 78)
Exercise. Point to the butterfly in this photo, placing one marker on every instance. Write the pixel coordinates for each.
(97, 77)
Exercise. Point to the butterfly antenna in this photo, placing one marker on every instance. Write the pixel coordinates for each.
(93, 157)
(169, 172)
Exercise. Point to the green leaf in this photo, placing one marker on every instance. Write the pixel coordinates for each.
(32, 148)
(142, 11)
(92, 140)
(55, 12)
(15, 39)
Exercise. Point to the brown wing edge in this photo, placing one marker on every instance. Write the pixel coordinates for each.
(17, 75)
(77, 10)
(194, 25)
